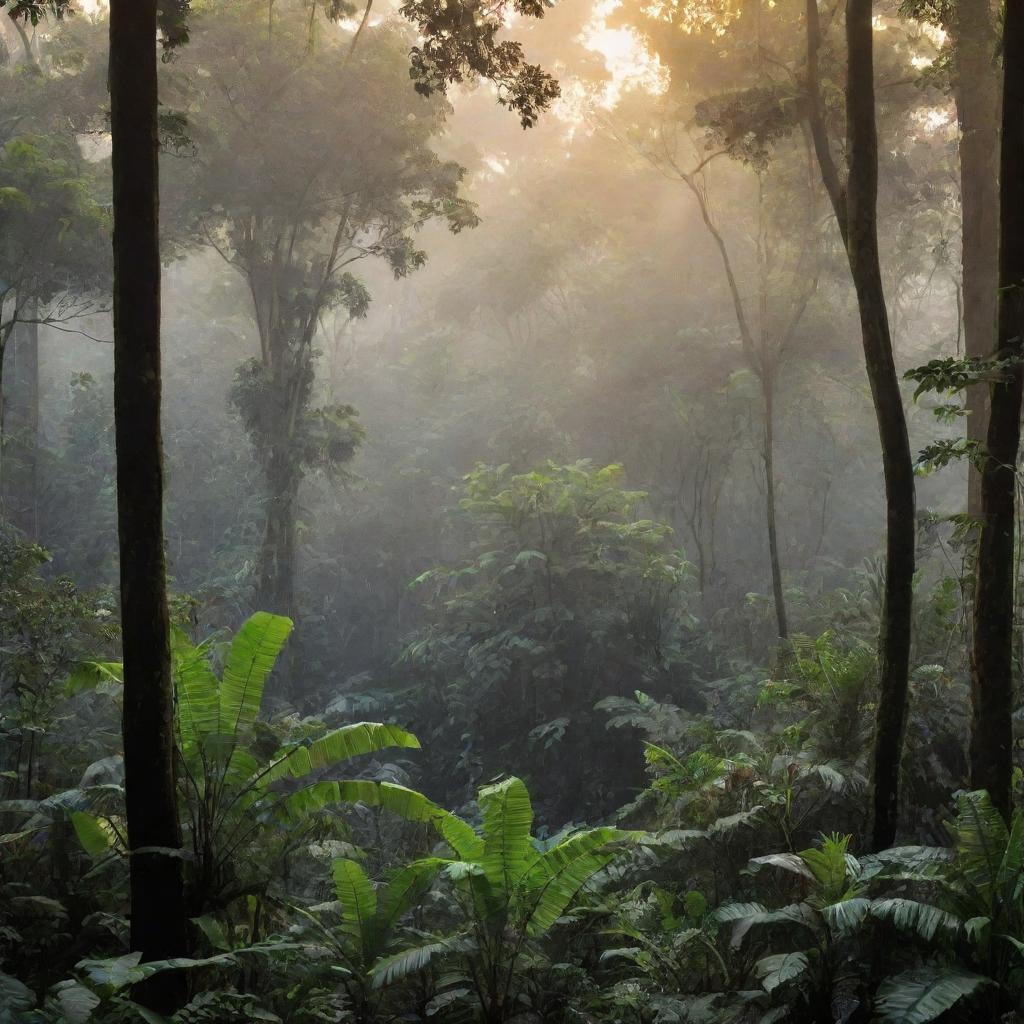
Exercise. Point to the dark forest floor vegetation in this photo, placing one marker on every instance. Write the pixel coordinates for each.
(464, 575)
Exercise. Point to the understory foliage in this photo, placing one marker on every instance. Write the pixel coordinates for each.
(318, 891)
(570, 595)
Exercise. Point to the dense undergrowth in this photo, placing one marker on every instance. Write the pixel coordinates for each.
(720, 874)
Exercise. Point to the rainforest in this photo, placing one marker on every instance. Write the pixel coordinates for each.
(510, 511)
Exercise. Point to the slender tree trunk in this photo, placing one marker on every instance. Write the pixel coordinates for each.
(992, 683)
(158, 927)
(768, 388)
(897, 461)
(977, 102)
(856, 209)
(759, 363)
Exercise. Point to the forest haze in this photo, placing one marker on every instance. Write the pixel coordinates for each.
(509, 511)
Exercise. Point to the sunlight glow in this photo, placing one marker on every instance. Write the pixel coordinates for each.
(628, 61)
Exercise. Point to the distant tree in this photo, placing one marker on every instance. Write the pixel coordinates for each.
(732, 98)
(309, 162)
(54, 238)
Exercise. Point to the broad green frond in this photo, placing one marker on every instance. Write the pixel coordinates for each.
(922, 918)
(559, 874)
(250, 659)
(403, 891)
(846, 915)
(1012, 864)
(507, 819)
(340, 745)
(788, 862)
(925, 994)
(780, 969)
(460, 836)
(197, 690)
(97, 838)
(980, 836)
(409, 961)
(358, 901)
(828, 864)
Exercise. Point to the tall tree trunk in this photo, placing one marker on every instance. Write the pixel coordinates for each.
(992, 684)
(897, 461)
(856, 210)
(768, 389)
(158, 927)
(276, 570)
(977, 103)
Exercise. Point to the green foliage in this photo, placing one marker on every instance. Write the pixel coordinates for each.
(460, 44)
(571, 597)
(241, 824)
(511, 891)
(54, 233)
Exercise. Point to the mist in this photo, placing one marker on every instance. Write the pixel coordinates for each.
(576, 412)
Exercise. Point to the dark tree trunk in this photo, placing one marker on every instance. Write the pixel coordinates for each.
(157, 909)
(276, 570)
(768, 387)
(992, 685)
(856, 209)
(977, 102)
(897, 461)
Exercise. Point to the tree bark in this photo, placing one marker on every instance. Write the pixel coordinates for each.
(992, 682)
(276, 570)
(977, 103)
(158, 928)
(856, 210)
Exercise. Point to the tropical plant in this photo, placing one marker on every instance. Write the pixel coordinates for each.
(242, 810)
(968, 900)
(510, 891)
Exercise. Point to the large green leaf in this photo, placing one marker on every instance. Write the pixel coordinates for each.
(507, 819)
(830, 865)
(406, 803)
(922, 918)
(406, 887)
(250, 659)
(96, 838)
(847, 914)
(340, 745)
(1009, 875)
(787, 861)
(14, 995)
(923, 995)
(780, 969)
(552, 883)
(460, 836)
(91, 675)
(401, 965)
(197, 690)
(358, 902)
(980, 836)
